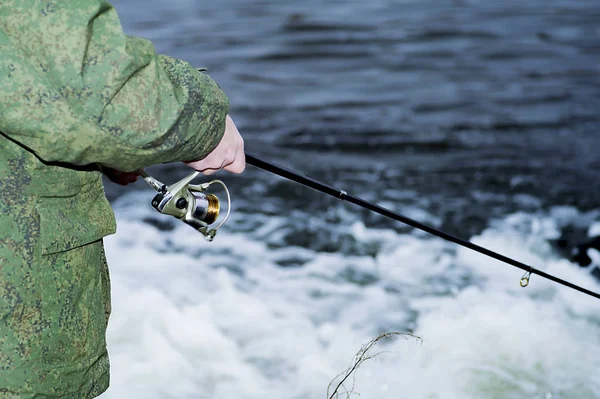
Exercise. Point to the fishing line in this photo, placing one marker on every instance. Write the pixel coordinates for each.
(343, 195)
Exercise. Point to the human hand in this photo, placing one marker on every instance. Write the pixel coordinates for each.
(121, 178)
(228, 155)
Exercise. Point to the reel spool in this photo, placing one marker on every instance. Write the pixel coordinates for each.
(189, 203)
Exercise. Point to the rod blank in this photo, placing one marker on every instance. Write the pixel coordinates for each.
(343, 195)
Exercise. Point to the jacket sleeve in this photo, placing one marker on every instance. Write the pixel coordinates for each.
(75, 89)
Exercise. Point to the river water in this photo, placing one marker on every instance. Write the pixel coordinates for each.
(476, 117)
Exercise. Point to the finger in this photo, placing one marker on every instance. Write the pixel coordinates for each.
(219, 160)
(209, 172)
(238, 165)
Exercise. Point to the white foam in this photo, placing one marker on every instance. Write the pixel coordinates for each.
(594, 230)
(193, 319)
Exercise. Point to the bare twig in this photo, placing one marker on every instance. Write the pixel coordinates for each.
(361, 356)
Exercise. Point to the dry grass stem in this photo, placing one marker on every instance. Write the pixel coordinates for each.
(361, 356)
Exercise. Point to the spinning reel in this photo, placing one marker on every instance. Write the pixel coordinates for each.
(189, 203)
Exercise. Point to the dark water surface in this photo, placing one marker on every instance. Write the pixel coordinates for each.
(467, 110)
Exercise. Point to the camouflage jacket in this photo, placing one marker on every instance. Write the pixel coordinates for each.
(76, 93)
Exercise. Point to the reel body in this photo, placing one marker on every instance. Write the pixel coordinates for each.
(189, 203)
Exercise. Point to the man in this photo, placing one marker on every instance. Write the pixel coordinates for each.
(77, 96)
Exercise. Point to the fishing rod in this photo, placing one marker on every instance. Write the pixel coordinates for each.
(189, 204)
(343, 195)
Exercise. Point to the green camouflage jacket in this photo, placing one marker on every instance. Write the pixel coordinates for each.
(76, 93)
